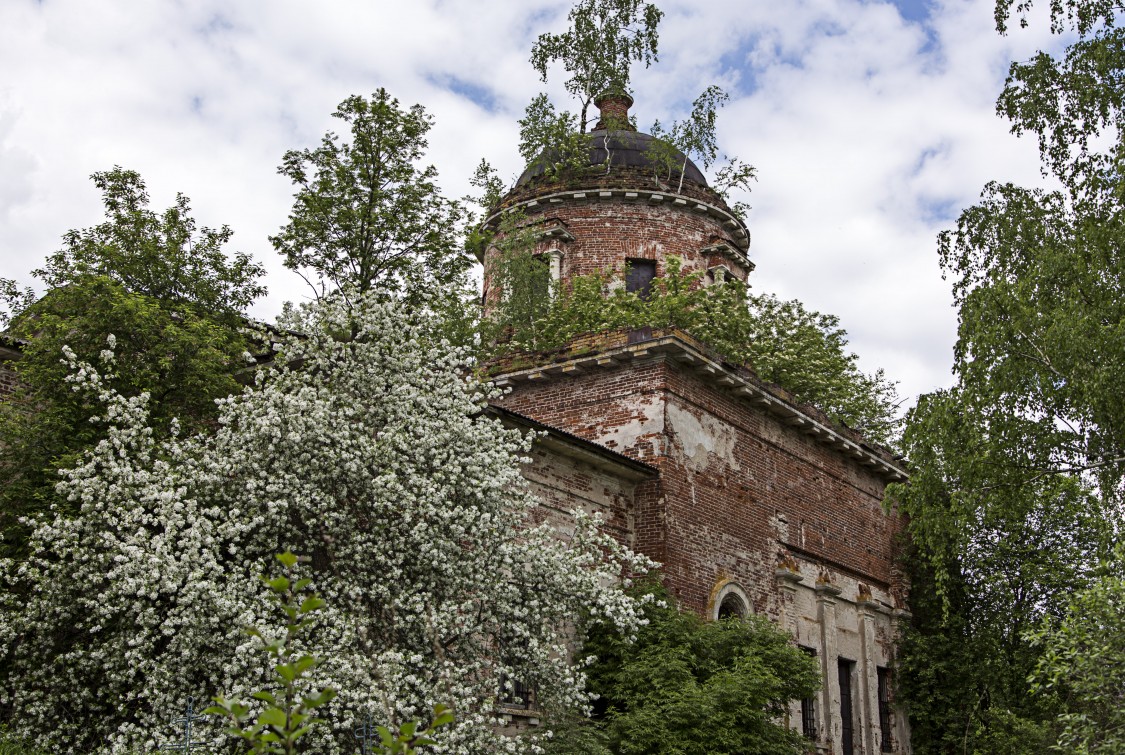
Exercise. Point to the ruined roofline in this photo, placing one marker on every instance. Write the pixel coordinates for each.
(576, 447)
(675, 344)
(11, 348)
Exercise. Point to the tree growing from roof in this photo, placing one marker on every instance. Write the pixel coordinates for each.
(167, 295)
(801, 350)
(551, 135)
(695, 138)
(604, 38)
(597, 51)
(365, 447)
(1021, 465)
(366, 215)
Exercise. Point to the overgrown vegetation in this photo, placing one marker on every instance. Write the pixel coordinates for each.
(1017, 494)
(604, 39)
(129, 583)
(172, 301)
(803, 351)
(598, 49)
(367, 216)
(691, 687)
(363, 444)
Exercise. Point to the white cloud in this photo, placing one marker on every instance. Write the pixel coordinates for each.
(869, 132)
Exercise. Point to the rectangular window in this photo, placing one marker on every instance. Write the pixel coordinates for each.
(515, 693)
(885, 710)
(638, 277)
(808, 708)
(847, 716)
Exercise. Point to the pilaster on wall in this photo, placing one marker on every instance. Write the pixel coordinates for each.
(869, 679)
(831, 725)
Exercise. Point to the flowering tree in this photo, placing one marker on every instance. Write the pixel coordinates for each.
(172, 294)
(365, 448)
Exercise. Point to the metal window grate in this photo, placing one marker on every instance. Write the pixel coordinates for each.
(808, 708)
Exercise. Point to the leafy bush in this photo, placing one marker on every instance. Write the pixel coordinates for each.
(365, 446)
(691, 687)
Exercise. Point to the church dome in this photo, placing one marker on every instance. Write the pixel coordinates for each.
(626, 211)
(616, 143)
(620, 148)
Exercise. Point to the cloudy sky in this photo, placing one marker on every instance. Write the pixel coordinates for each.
(871, 125)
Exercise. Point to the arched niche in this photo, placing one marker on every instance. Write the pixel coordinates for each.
(731, 601)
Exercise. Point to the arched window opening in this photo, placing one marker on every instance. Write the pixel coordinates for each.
(732, 607)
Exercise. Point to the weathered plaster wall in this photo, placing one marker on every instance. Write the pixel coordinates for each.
(564, 484)
(745, 498)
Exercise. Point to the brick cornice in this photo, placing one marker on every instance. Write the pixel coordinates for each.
(677, 345)
(737, 229)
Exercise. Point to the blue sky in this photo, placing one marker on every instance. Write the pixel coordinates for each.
(871, 125)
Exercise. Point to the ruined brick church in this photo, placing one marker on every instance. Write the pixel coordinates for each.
(751, 501)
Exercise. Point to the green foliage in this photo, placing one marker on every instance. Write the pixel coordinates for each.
(165, 257)
(489, 185)
(604, 38)
(148, 287)
(695, 138)
(553, 137)
(13, 300)
(690, 686)
(962, 675)
(10, 745)
(1017, 490)
(522, 282)
(597, 51)
(409, 738)
(803, 351)
(1082, 659)
(289, 711)
(365, 216)
(735, 175)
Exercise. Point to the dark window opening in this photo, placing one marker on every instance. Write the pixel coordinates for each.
(515, 693)
(847, 738)
(638, 277)
(885, 744)
(732, 607)
(808, 708)
(540, 277)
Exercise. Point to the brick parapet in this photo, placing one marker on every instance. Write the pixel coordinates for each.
(607, 349)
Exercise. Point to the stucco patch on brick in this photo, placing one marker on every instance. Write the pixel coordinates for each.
(700, 440)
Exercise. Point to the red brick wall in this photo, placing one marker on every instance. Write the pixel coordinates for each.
(729, 510)
(608, 233)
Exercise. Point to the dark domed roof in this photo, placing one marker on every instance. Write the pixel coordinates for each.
(626, 148)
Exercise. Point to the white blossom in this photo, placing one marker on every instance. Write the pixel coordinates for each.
(363, 447)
